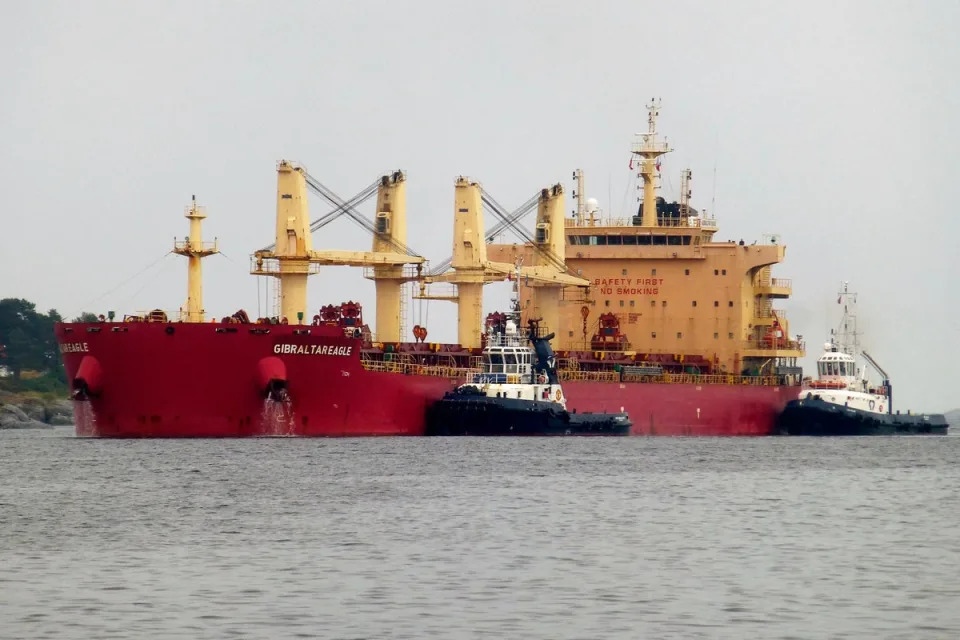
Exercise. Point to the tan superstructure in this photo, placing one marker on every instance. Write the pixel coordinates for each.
(672, 288)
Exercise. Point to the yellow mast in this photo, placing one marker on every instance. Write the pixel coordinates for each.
(293, 241)
(391, 232)
(649, 149)
(195, 250)
(550, 245)
(469, 259)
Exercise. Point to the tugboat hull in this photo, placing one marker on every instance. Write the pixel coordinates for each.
(476, 415)
(815, 417)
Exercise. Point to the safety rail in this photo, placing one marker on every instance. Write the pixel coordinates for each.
(260, 265)
(781, 282)
(187, 245)
(568, 375)
(769, 312)
(408, 272)
(687, 222)
(410, 368)
(668, 378)
(775, 344)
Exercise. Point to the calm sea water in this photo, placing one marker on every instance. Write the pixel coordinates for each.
(474, 538)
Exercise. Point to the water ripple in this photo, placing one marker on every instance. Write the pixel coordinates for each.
(479, 538)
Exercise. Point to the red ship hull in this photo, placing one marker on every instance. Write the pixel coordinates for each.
(182, 380)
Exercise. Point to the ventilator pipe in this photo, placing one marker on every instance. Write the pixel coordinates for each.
(89, 379)
(272, 378)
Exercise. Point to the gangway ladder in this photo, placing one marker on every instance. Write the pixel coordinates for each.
(404, 293)
(277, 293)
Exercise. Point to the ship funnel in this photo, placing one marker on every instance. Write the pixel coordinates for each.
(89, 379)
(272, 378)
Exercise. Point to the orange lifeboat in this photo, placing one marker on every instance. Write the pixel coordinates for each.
(828, 384)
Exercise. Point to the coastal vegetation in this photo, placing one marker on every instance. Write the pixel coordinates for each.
(33, 386)
(28, 350)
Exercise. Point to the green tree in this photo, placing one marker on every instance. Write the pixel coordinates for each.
(86, 316)
(26, 338)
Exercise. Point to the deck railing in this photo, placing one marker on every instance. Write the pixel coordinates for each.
(568, 375)
(692, 222)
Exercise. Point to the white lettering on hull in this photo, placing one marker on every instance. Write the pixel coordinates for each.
(74, 347)
(313, 349)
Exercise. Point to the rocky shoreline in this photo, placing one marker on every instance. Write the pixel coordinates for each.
(17, 412)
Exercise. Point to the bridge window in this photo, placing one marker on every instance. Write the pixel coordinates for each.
(659, 240)
(632, 240)
(644, 240)
(614, 239)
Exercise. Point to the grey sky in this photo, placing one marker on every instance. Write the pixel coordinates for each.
(831, 123)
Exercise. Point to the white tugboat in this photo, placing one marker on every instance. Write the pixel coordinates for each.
(518, 391)
(842, 402)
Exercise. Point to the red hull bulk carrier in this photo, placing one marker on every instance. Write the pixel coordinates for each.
(651, 316)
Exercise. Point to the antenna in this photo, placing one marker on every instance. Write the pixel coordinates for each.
(713, 196)
(685, 192)
(849, 336)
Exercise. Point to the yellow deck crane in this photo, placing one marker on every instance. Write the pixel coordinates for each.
(292, 258)
(472, 269)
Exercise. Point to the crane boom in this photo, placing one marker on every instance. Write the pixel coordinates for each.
(873, 363)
